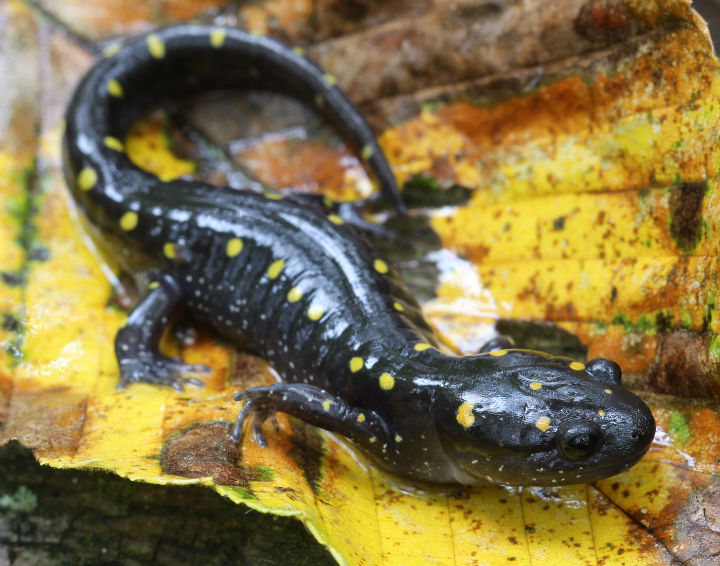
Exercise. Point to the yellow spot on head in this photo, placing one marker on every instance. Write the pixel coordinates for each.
(398, 438)
(156, 47)
(577, 366)
(112, 49)
(276, 268)
(114, 88)
(294, 294)
(422, 346)
(274, 196)
(497, 353)
(114, 143)
(326, 405)
(367, 152)
(543, 423)
(169, 250)
(381, 266)
(398, 307)
(87, 178)
(361, 418)
(299, 51)
(315, 312)
(465, 415)
(535, 386)
(330, 79)
(335, 219)
(217, 37)
(154, 285)
(356, 364)
(234, 247)
(387, 381)
(608, 391)
(601, 413)
(128, 221)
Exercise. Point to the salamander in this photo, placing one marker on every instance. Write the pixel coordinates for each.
(294, 282)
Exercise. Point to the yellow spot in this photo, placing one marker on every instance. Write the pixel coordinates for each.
(328, 202)
(294, 294)
(156, 47)
(326, 405)
(330, 79)
(372, 439)
(381, 266)
(274, 196)
(601, 413)
(356, 364)
(114, 88)
(299, 51)
(465, 415)
(367, 152)
(87, 178)
(234, 247)
(497, 353)
(169, 250)
(335, 219)
(543, 423)
(398, 307)
(114, 143)
(535, 386)
(361, 418)
(154, 285)
(217, 37)
(315, 312)
(112, 49)
(276, 268)
(128, 221)
(398, 438)
(608, 391)
(577, 366)
(422, 346)
(387, 381)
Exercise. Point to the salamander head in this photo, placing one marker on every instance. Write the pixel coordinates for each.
(534, 419)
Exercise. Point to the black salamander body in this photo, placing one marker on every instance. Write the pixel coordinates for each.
(291, 281)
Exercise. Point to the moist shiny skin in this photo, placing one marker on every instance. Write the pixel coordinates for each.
(289, 279)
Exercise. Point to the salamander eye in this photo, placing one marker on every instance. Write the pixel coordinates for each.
(603, 370)
(578, 439)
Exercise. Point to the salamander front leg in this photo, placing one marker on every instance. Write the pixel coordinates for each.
(136, 344)
(313, 405)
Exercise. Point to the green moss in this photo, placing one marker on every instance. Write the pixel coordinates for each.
(679, 428)
(22, 501)
(266, 473)
(714, 349)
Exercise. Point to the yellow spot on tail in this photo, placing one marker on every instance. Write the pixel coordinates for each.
(535, 386)
(608, 391)
(155, 45)
(234, 247)
(465, 415)
(112, 49)
(398, 438)
(361, 418)
(154, 285)
(330, 79)
(335, 219)
(294, 294)
(398, 307)
(367, 152)
(87, 178)
(114, 143)
(276, 268)
(128, 221)
(577, 366)
(497, 353)
(381, 266)
(422, 346)
(356, 364)
(114, 88)
(169, 250)
(601, 413)
(387, 381)
(217, 37)
(315, 312)
(274, 196)
(543, 423)
(300, 51)
(326, 405)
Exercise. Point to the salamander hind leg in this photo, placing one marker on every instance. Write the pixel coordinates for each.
(136, 344)
(313, 405)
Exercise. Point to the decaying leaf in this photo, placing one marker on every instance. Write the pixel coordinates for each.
(588, 133)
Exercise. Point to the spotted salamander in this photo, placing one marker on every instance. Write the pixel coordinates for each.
(294, 282)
